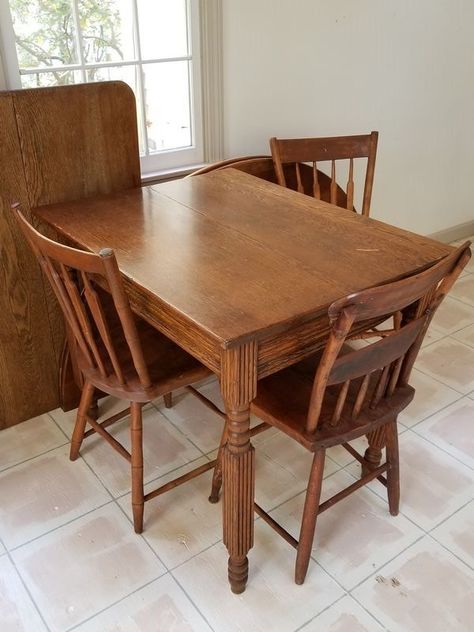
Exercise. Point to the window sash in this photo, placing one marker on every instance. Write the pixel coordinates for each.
(163, 160)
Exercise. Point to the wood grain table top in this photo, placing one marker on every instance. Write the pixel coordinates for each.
(238, 256)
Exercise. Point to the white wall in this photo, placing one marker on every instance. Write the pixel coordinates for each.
(330, 67)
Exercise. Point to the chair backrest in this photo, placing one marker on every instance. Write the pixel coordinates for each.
(73, 275)
(379, 368)
(262, 167)
(299, 151)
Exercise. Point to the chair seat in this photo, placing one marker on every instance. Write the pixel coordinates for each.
(283, 401)
(169, 366)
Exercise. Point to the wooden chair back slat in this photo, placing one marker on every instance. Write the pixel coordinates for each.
(350, 186)
(361, 396)
(316, 187)
(82, 317)
(386, 364)
(68, 269)
(333, 183)
(100, 319)
(298, 179)
(341, 400)
(314, 150)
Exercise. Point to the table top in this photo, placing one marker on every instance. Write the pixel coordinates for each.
(238, 256)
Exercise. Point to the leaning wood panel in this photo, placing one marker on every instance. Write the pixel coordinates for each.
(72, 142)
(77, 141)
(28, 383)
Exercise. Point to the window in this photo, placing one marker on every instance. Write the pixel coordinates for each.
(153, 45)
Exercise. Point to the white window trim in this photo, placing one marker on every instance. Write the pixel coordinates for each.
(207, 100)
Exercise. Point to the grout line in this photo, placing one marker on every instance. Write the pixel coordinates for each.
(25, 586)
(157, 478)
(449, 551)
(65, 524)
(96, 614)
(192, 600)
(430, 441)
(31, 458)
(439, 410)
(389, 561)
(346, 594)
(144, 539)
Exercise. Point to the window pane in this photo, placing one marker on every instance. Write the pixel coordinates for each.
(163, 29)
(107, 30)
(46, 79)
(168, 122)
(45, 33)
(128, 74)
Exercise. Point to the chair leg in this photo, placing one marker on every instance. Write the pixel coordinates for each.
(81, 420)
(168, 397)
(217, 474)
(310, 514)
(393, 472)
(94, 408)
(137, 465)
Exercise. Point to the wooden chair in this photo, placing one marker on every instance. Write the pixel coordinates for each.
(118, 353)
(299, 151)
(342, 394)
(262, 167)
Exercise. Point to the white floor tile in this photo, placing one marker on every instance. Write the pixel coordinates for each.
(164, 449)
(282, 468)
(413, 592)
(17, 611)
(182, 522)
(201, 425)
(85, 566)
(433, 484)
(29, 439)
(457, 533)
(346, 615)
(450, 362)
(108, 406)
(464, 290)
(452, 429)
(466, 335)
(452, 315)
(44, 493)
(160, 606)
(430, 396)
(272, 601)
(355, 536)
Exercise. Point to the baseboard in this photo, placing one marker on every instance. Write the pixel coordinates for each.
(455, 233)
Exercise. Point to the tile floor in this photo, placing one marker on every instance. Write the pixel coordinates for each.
(69, 558)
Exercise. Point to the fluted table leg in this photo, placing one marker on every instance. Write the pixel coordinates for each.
(238, 384)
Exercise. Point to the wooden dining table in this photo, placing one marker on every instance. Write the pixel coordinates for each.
(239, 272)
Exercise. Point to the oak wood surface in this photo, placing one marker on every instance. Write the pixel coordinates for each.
(26, 346)
(57, 144)
(222, 250)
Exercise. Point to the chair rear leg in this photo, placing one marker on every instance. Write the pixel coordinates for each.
(168, 397)
(393, 472)
(81, 420)
(217, 474)
(137, 465)
(310, 514)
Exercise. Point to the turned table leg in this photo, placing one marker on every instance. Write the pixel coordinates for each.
(238, 384)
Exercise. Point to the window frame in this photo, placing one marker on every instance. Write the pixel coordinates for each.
(205, 91)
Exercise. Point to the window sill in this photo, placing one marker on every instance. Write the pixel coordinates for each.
(169, 174)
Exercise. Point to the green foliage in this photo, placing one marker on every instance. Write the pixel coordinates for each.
(46, 35)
